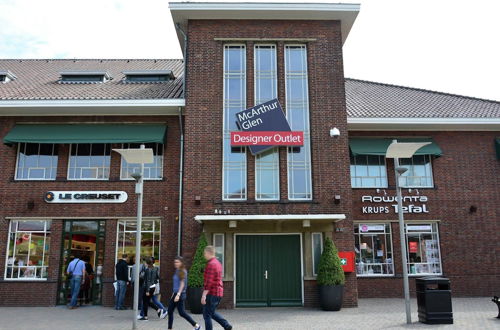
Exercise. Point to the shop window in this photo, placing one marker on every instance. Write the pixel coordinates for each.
(267, 174)
(423, 254)
(373, 247)
(218, 241)
(419, 174)
(150, 240)
(36, 161)
(89, 162)
(153, 171)
(234, 160)
(28, 250)
(297, 113)
(368, 171)
(317, 249)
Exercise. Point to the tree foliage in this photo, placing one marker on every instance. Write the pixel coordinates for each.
(195, 278)
(330, 271)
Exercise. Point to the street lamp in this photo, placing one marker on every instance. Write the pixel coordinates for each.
(398, 150)
(137, 156)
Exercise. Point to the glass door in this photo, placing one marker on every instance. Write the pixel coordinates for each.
(83, 239)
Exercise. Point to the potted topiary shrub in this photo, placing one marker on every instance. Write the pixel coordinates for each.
(195, 278)
(330, 278)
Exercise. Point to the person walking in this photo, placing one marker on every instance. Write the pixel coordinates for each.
(121, 282)
(151, 279)
(213, 290)
(86, 289)
(179, 294)
(76, 274)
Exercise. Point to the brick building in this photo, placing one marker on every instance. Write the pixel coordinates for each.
(266, 214)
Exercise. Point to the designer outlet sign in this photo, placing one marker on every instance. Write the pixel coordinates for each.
(378, 204)
(264, 127)
(85, 197)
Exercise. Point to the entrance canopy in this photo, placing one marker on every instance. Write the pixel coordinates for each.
(279, 217)
(86, 133)
(378, 146)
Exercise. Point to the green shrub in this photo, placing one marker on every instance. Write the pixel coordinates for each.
(330, 271)
(195, 277)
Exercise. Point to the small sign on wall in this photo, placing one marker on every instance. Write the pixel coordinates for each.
(85, 197)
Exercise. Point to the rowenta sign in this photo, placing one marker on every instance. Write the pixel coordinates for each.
(264, 127)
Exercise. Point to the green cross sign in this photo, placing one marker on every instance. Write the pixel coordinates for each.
(343, 261)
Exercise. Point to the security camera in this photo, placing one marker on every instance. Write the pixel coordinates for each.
(136, 176)
(334, 132)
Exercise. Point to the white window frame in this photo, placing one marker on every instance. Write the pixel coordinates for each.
(431, 174)
(307, 135)
(434, 231)
(242, 167)
(381, 178)
(17, 178)
(43, 268)
(314, 270)
(223, 261)
(261, 165)
(155, 154)
(75, 167)
(388, 238)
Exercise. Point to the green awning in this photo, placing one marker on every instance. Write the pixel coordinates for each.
(497, 147)
(86, 133)
(378, 147)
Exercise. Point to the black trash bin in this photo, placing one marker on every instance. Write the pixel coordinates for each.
(434, 300)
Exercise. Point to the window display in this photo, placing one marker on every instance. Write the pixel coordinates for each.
(373, 247)
(423, 253)
(29, 246)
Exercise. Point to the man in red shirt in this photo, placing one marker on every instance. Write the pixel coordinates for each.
(212, 290)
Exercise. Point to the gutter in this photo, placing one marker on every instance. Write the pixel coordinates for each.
(181, 161)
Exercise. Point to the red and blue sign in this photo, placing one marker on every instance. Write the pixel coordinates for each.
(263, 127)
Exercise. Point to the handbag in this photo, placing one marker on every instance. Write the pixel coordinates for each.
(157, 289)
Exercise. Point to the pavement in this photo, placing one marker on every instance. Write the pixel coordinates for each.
(468, 313)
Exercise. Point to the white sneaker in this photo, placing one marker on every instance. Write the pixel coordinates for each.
(139, 316)
(164, 314)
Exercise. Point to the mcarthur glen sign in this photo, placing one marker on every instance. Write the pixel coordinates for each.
(85, 197)
(263, 127)
(411, 206)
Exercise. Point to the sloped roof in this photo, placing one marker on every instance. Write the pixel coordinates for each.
(39, 80)
(366, 99)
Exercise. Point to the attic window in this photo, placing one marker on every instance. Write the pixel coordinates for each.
(151, 76)
(6, 76)
(84, 77)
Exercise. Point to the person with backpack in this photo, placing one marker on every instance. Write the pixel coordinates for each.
(76, 275)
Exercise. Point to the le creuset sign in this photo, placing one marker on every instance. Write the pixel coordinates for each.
(85, 197)
(264, 127)
(411, 204)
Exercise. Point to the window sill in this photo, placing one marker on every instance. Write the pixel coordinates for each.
(26, 280)
(376, 276)
(281, 201)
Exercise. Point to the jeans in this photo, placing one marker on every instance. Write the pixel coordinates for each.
(75, 282)
(121, 288)
(182, 312)
(146, 300)
(209, 313)
(157, 302)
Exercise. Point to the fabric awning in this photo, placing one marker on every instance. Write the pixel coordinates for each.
(497, 147)
(378, 147)
(86, 133)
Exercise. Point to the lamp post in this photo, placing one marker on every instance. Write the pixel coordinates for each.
(398, 150)
(137, 156)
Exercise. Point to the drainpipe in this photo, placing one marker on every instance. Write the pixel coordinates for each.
(181, 161)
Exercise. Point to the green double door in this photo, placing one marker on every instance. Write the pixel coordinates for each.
(268, 270)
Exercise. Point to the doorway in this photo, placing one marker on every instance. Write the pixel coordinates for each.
(268, 270)
(83, 239)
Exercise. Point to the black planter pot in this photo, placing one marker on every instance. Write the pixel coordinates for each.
(194, 300)
(330, 297)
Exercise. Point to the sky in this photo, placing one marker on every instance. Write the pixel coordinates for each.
(450, 46)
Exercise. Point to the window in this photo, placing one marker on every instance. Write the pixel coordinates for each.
(373, 247)
(297, 113)
(368, 171)
(153, 171)
(423, 253)
(28, 250)
(317, 249)
(36, 161)
(6, 76)
(419, 174)
(266, 88)
(148, 76)
(150, 240)
(234, 160)
(218, 240)
(89, 162)
(83, 77)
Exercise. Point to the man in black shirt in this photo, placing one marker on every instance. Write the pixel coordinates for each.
(121, 281)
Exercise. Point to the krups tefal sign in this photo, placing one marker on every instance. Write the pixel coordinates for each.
(264, 127)
(411, 204)
(85, 197)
